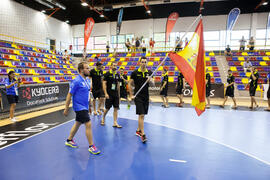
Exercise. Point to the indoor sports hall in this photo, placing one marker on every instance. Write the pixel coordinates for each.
(130, 89)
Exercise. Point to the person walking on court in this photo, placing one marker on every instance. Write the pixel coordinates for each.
(268, 92)
(80, 93)
(229, 90)
(253, 83)
(179, 88)
(164, 88)
(139, 77)
(12, 86)
(111, 89)
(123, 86)
(208, 88)
(97, 74)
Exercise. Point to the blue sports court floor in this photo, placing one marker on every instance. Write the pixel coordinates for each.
(219, 145)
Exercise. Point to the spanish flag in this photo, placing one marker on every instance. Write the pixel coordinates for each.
(190, 61)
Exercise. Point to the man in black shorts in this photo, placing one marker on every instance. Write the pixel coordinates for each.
(268, 92)
(139, 77)
(253, 83)
(208, 88)
(111, 89)
(179, 88)
(80, 93)
(97, 74)
(229, 90)
(123, 86)
(164, 88)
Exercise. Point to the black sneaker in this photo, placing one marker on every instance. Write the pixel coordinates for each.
(143, 138)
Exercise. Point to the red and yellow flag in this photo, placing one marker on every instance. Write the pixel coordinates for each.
(191, 63)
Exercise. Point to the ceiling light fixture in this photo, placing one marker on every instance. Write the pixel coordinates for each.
(43, 11)
(101, 15)
(67, 21)
(265, 3)
(148, 11)
(84, 4)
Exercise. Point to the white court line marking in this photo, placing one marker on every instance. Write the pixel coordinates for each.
(209, 139)
(36, 134)
(175, 160)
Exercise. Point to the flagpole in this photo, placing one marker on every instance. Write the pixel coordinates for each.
(167, 55)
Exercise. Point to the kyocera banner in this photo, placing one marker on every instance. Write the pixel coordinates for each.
(170, 23)
(37, 95)
(89, 24)
(232, 18)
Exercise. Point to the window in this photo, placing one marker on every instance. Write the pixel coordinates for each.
(237, 35)
(158, 37)
(211, 35)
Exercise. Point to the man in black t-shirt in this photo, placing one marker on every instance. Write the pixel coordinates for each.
(164, 88)
(111, 89)
(139, 77)
(208, 88)
(123, 86)
(96, 75)
(229, 90)
(179, 88)
(228, 51)
(253, 83)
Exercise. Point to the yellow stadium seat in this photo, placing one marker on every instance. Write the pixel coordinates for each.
(92, 63)
(211, 54)
(73, 77)
(245, 80)
(8, 63)
(8, 70)
(58, 72)
(53, 79)
(248, 74)
(35, 49)
(211, 74)
(266, 58)
(150, 64)
(176, 69)
(124, 63)
(112, 60)
(207, 58)
(40, 65)
(210, 68)
(128, 55)
(242, 63)
(122, 59)
(17, 52)
(69, 72)
(32, 71)
(148, 54)
(160, 68)
(233, 69)
(267, 53)
(109, 63)
(93, 55)
(241, 58)
(13, 57)
(157, 58)
(65, 66)
(171, 79)
(111, 55)
(244, 54)
(36, 79)
(263, 63)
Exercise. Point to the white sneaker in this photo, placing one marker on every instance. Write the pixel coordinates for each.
(13, 119)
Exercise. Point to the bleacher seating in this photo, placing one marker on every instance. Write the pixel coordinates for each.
(130, 62)
(258, 59)
(34, 65)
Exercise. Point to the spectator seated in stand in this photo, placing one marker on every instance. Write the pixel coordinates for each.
(228, 51)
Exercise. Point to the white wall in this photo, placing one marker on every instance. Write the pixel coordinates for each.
(23, 22)
(147, 27)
